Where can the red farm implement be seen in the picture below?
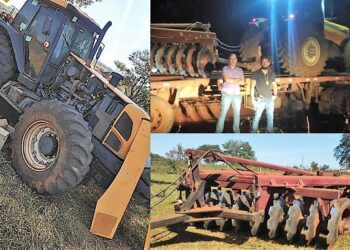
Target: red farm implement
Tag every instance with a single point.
(265, 197)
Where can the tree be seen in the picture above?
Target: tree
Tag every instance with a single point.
(207, 147)
(136, 83)
(342, 151)
(83, 3)
(314, 166)
(325, 167)
(177, 154)
(239, 148)
(156, 157)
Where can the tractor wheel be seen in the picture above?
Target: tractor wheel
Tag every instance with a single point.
(51, 148)
(7, 59)
(307, 54)
(162, 115)
(250, 46)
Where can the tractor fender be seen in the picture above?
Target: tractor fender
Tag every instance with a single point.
(17, 42)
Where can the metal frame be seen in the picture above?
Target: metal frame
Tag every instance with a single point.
(325, 190)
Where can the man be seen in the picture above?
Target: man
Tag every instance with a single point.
(231, 94)
(263, 92)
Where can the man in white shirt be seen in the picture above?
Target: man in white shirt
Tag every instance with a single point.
(231, 94)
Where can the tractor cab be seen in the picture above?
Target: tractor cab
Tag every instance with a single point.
(51, 31)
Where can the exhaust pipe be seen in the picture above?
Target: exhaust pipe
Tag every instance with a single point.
(99, 40)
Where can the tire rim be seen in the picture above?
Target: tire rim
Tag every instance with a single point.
(310, 51)
(156, 118)
(345, 222)
(40, 146)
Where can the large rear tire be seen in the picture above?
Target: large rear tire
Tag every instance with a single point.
(51, 148)
(306, 55)
(7, 59)
(250, 46)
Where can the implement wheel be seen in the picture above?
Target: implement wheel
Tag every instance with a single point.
(51, 148)
(7, 59)
(339, 221)
(162, 115)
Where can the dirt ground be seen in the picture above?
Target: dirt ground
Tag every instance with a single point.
(199, 238)
(32, 221)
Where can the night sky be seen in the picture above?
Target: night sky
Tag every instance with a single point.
(230, 18)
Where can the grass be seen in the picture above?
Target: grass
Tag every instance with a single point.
(32, 221)
(199, 238)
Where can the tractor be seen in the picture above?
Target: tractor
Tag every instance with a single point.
(64, 111)
(298, 37)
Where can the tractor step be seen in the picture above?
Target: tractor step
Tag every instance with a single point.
(5, 131)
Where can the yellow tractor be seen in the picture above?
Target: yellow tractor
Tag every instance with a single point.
(65, 112)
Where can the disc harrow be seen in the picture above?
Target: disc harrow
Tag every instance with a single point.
(182, 52)
(286, 202)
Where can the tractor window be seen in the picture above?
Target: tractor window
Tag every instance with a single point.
(25, 15)
(74, 39)
(35, 39)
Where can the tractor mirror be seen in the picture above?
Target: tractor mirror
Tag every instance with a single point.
(99, 51)
(47, 26)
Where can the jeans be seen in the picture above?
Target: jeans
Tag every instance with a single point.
(260, 106)
(227, 100)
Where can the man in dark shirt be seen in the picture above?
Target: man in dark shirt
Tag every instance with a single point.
(263, 92)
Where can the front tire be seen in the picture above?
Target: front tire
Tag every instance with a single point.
(51, 148)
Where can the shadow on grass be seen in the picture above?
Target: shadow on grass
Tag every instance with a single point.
(231, 236)
(161, 182)
(192, 237)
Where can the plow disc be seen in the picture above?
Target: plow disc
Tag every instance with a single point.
(276, 217)
(312, 222)
(182, 59)
(294, 217)
(182, 52)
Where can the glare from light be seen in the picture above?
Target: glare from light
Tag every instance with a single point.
(291, 35)
(273, 36)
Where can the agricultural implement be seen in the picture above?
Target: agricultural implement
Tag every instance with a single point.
(264, 197)
(312, 63)
(65, 112)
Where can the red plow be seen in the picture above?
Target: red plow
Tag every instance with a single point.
(281, 201)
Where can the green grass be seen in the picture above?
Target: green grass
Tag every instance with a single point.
(32, 221)
(158, 183)
(199, 238)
